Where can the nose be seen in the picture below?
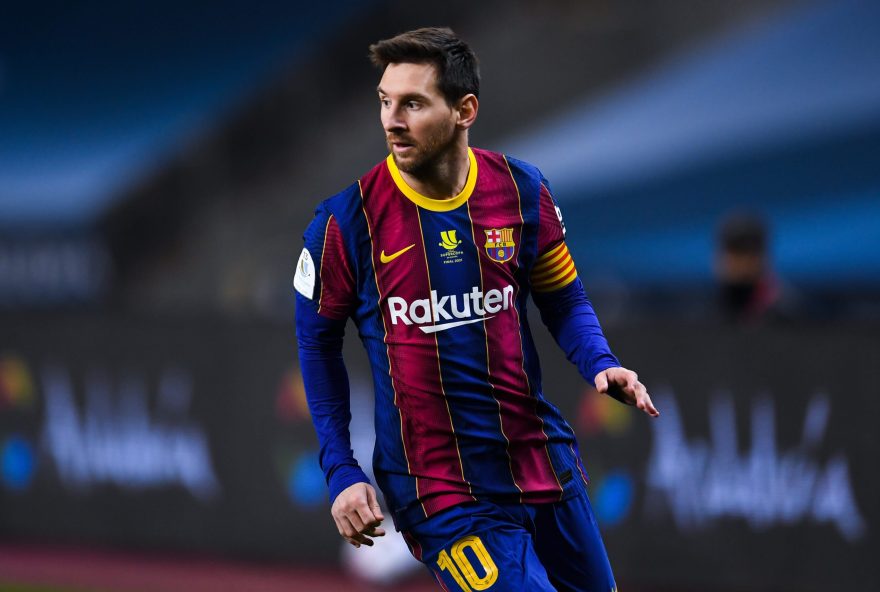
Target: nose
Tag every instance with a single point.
(393, 120)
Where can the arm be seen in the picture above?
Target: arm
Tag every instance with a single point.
(568, 314)
(355, 506)
(572, 322)
(325, 287)
(570, 317)
(327, 392)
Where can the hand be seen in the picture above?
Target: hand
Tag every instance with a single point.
(624, 385)
(358, 515)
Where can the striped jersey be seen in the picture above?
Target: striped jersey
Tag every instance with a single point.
(438, 291)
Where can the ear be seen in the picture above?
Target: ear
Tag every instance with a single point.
(467, 109)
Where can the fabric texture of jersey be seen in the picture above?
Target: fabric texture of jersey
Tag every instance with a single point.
(512, 547)
(438, 291)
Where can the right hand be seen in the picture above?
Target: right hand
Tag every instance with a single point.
(358, 515)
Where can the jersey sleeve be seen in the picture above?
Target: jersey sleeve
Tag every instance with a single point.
(560, 296)
(324, 275)
(325, 288)
(554, 268)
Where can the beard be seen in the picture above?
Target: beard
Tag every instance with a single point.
(424, 156)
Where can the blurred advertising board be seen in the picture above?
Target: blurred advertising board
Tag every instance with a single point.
(760, 473)
(43, 272)
(193, 435)
(181, 434)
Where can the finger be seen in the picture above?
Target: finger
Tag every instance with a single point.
(362, 539)
(376, 531)
(348, 527)
(649, 406)
(365, 517)
(374, 504)
(601, 382)
(644, 400)
(639, 392)
(356, 541)
(354, 518)
(624, 392)
(343, 525)
(637, 388)
(364, 510)
(632, 383)
(351, 535)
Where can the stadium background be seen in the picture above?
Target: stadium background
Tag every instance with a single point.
(159, 162)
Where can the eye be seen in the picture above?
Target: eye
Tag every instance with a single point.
(413, 105)
(385, 102)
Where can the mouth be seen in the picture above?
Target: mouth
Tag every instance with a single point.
(399, 146)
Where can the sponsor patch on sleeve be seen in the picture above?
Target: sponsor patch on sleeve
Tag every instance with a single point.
(304, 279)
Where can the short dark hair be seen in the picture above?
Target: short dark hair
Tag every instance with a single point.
(458, 71)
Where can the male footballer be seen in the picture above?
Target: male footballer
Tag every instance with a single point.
(434, 253)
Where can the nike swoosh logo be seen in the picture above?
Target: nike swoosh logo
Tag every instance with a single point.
(387, 258)
(436, 328)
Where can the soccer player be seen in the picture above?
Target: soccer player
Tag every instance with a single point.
(433, 253)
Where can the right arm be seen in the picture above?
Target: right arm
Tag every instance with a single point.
(325, 292)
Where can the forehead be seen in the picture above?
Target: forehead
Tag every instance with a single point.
(406, 78)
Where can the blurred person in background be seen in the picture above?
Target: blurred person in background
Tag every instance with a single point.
(433, 254)
(749, 289)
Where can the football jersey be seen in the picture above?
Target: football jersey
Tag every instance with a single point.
(438, 291)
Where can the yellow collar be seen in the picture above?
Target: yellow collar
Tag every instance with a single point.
(436, 205)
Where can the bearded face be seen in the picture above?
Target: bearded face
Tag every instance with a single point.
(419, 124)
(414, 154)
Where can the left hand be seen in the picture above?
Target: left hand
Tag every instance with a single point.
(624, 385)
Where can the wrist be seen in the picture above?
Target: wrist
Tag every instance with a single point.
(344, 477)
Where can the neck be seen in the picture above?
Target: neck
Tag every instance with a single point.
(446, 176)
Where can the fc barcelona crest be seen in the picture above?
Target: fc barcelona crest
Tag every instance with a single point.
(499, 244)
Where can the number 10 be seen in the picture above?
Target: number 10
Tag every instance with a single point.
(462, 571)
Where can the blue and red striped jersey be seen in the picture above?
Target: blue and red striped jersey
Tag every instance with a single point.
(438, 290)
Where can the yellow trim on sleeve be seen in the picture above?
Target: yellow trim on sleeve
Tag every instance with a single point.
(554, 270)
(435, 205)
(543, 274)
(550, 254)
(559, 272)
(561, 281)
(544, 265)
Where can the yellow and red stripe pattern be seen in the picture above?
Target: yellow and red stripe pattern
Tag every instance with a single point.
(553, 270)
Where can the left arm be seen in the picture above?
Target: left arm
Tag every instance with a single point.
(570, 317)
(568, 314)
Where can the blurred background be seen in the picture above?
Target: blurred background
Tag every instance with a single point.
(718, 167)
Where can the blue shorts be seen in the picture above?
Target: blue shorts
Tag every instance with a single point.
(515, 547)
